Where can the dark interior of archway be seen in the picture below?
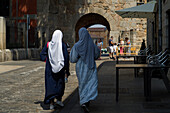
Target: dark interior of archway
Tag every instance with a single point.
(90, 19)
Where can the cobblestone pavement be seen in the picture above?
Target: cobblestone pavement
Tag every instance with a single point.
(22, 86)
(22, 90)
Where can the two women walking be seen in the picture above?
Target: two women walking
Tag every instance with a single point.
(83, 53)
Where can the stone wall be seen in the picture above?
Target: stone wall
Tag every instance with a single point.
(68, 15)
(42, 24)
(19, 54)
(13, 54)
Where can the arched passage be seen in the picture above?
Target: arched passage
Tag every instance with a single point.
(91, 19)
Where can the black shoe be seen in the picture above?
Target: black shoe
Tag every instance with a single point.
(84, 107)
(87, 104)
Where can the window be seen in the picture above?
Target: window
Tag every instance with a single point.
(4, 8)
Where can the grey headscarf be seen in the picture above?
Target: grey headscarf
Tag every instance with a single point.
(85, 48)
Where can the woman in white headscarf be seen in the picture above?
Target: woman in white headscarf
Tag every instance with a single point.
(84, 53)
(57, 61)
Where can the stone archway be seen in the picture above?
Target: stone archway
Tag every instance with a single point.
(70, 15)
(90, 19)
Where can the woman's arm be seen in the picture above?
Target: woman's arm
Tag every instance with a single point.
(97, 52)
(66, 59)
(73, 55)
(44, 53)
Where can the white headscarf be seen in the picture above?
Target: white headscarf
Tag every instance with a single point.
(55, 51)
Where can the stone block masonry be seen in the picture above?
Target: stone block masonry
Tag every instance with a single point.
(69, 16)
(19, 54)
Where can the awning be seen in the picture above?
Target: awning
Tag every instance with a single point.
(142, 11)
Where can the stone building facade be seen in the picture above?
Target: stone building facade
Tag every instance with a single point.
(159, 27)
(13, 32)
(70, 15)
(15, 13)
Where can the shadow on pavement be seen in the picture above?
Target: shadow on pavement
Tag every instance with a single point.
(72, 102)
(44, 106)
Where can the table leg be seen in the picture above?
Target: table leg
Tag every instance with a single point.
(135, 69)
(145, 82)
(117, 84)
(134, 60)
(117, 58)
(149, 86)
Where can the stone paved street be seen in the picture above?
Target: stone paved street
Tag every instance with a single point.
(22, 86)
(22, 90)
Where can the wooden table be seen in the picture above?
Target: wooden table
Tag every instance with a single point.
(147, 76)
(136, 57)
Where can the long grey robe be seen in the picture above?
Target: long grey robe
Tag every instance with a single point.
(88, 82)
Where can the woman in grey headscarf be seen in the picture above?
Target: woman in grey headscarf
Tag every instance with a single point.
(84, 53)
